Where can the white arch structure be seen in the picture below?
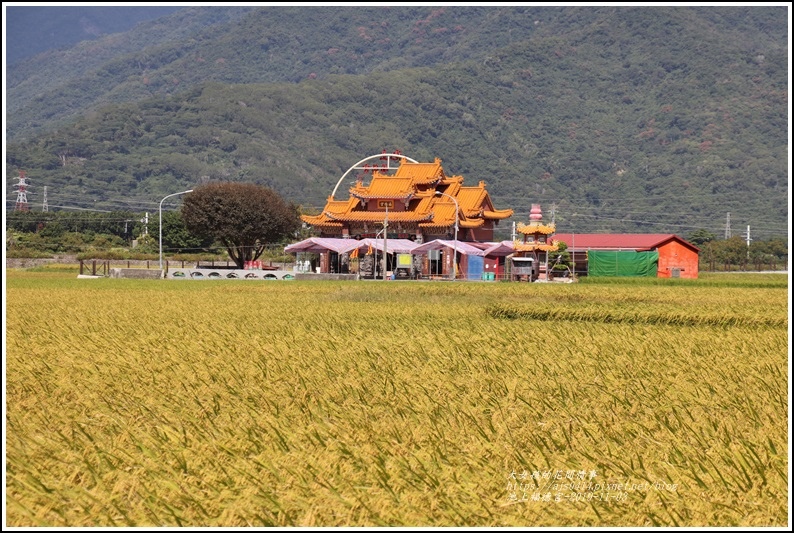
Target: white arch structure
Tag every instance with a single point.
(358, 166)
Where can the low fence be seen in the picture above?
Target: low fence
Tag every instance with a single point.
(89, 268)
(103, 267)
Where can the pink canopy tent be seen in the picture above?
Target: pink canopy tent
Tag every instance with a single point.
(394, 246)
(462, 247)
(321, 245)
(500, 249)
(342, 246)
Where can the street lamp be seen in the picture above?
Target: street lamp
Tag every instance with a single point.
(386, 243)
(455, 245)
(375, 263)
(161, 222)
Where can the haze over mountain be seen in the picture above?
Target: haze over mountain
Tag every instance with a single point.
(654, 119)
(33, 29)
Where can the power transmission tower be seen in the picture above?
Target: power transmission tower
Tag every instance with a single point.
(22, 196)
(44, 206)
(728, 226)
(747, 236)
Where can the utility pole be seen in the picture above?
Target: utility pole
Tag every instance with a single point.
(573, 255)
(728, 227)
(573, 249)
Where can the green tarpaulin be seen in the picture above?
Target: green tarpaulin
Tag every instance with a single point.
(611, 264)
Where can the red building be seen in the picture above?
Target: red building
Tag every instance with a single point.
(677, 257)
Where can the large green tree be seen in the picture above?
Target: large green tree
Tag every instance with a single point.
(701, 236)
(178, 238)
(244, 217)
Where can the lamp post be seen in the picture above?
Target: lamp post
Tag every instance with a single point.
(161, 222)
(455, 245)
(573, 251)
(386, 243)
(375, 257)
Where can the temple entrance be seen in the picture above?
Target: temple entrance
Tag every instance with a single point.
(338, 263)
(435, 259)
(375, 260)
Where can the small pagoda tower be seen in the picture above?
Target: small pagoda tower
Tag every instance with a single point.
(537, 242)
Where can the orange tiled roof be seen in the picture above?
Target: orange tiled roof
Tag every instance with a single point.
(471, 199)
(475, 201)
(321, 221)
(497, 214)
(332, 207)
(416, 184)
(421, 173)
(444, 210)
(532, 246)
(471, 223)
(379, 216)
(532, 228)
(383, 186)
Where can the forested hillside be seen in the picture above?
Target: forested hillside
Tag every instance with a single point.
(628, 119)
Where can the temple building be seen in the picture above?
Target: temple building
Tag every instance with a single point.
(418, 202)
(531, 258)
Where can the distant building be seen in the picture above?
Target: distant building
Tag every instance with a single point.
(677, 258)
(419, 202)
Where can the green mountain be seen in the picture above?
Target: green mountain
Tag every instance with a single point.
(626, 119)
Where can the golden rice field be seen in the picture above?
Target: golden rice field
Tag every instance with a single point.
(286, 403)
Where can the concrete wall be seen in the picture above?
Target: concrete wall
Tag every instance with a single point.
(136, 273)
(24, 262)
(223, 273)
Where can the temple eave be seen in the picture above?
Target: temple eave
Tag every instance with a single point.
(365, 196)
(497, 214)
(532, 247)
(378, 216)
(471, 223)
(532, 229)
